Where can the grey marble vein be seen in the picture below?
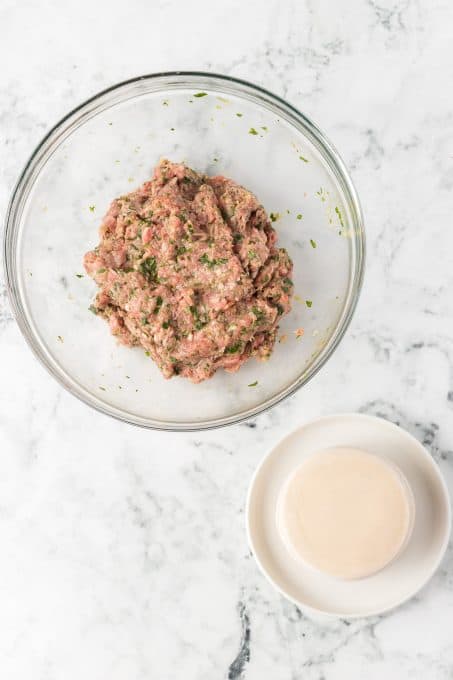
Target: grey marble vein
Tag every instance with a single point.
(238, 666)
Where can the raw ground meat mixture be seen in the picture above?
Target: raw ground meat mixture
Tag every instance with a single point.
(188, 269)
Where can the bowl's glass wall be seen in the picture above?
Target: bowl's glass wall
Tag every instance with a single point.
(110, 146)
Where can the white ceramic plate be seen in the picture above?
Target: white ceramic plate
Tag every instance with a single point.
(398, 581)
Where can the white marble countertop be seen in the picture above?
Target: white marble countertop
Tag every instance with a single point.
(123, 552)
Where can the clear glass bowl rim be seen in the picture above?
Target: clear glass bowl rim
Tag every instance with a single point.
(108, 97)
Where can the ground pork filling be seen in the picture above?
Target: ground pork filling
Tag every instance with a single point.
(188, 269)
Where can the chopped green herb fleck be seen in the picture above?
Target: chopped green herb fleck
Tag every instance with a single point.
(149, 268)
(299, 216)
(305, 160)
(263, 127)
(237, 237)
(259, 315)
(274, 216)
(204, 259)
(147, 353)
(93, 309)
(308, 303)
(180, 250)
(198, 322)
(312, 243)
(79, 276)
(91, 208)
(101, 271)
(201, 94)
(252, 255)
(128, 377)
(60, 338)
(165, 325)
(340, 216)
(165, 102)
(287, 285)
(253, 384)
(252, 131)
(239, 115)
(172, 129)
(233, 349)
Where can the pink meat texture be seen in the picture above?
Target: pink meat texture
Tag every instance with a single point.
(188, 269)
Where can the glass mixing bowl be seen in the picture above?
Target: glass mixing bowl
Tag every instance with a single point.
(108, 146)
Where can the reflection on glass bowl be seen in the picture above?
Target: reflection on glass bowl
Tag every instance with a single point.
(107, 147)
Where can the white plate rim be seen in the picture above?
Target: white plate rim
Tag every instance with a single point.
(445, 493)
